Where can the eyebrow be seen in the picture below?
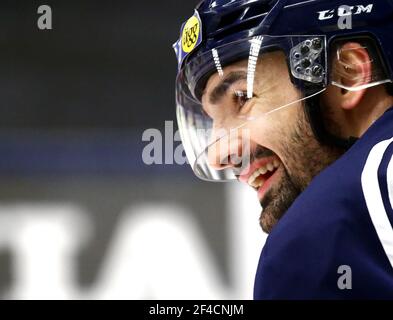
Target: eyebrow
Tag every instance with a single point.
(221, 89)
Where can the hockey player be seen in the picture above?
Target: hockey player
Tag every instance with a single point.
(295, 99)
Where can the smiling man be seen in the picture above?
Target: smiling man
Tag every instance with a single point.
(300, 110)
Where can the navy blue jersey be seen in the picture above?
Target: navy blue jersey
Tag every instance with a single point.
(344, 218)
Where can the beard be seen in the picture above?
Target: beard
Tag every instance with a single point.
(305, 157)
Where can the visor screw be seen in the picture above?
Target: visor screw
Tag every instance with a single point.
(317, 44)
(317, 71)
(304, 50)
(305, 63)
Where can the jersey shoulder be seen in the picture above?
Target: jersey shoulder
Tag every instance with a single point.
(344, 217)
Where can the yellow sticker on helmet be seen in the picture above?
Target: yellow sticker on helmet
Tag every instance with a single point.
(191, 34)
(190, 38)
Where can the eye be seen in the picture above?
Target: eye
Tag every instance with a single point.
(240, 99)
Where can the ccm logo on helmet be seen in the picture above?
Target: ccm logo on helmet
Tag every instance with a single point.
(343, 11)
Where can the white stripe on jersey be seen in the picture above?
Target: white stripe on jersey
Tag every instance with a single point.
(389, 177)
(373, 197)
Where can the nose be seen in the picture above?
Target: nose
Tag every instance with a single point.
(227, 149)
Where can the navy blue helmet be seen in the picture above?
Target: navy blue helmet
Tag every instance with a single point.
(222, 33)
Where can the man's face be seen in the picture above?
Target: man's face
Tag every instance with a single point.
(284, 155)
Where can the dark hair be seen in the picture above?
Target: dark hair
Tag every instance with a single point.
(389, 88)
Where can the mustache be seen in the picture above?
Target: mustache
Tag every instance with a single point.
(260, 153)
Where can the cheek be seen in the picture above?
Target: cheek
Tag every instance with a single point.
(274, 131)
(265, 133)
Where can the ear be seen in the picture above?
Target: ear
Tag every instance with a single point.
(352, 70)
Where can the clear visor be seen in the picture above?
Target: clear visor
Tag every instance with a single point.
(237, 97)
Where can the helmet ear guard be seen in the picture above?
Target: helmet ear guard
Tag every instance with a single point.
(343, 74)
(378, 75)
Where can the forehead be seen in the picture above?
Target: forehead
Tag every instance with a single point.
(271, 66)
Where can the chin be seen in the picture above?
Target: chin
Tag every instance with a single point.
(267, 222)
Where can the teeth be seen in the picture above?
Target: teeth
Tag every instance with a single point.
(256, 180)
(260, 183)
(262, 170)
(252, 178)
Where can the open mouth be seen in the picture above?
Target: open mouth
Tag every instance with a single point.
(261, 173)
